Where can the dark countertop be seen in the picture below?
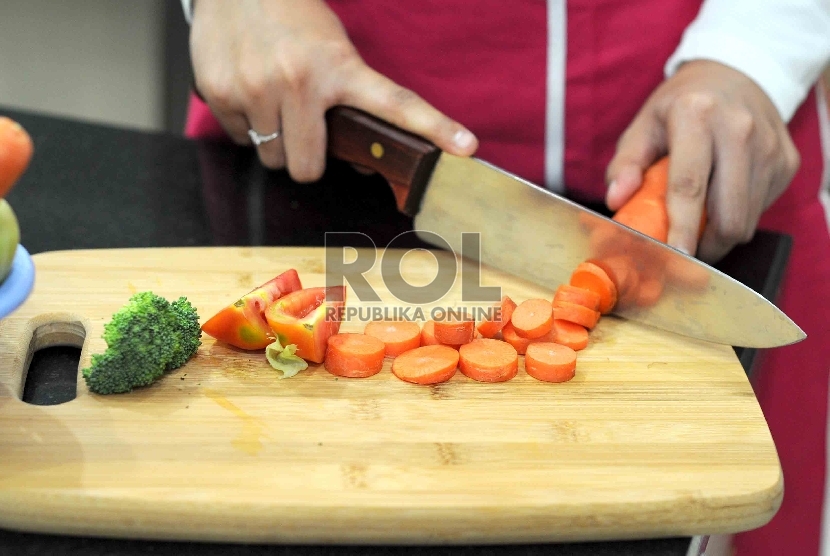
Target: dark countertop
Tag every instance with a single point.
(93, 186)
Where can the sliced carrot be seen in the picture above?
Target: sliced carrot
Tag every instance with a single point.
(489, 328)
(488, 360)
(428, 336)
(533, 318)
(508, 334)
(454, 333)
(578, 314)
(550, 362)
(354, 355)
(16, 149)
(570, 334)
(591, 277)
(398, 336)
(621, 269)
(572, 294)
(426, 364)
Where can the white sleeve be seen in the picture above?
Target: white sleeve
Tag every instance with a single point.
(783, 45)
(187, 6)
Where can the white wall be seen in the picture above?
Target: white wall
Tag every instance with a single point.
(98, 60)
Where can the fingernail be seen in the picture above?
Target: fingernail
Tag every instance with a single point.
(463, 139)
(611, 188)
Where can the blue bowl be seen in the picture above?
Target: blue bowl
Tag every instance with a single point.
(18, 284)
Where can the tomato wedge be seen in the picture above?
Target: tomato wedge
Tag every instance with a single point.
(242, 324)
(308, 318)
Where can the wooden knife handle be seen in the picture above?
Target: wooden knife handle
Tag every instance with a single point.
(404, 159)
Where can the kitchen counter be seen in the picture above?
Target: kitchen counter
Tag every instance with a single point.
(93, 186)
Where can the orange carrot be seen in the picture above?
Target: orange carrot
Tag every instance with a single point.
(508, 334)
(354, 355)
(489, 328)
(621, 269)
(426, 364)
(398, 336)
(428, 336)
(488, 360)
(450, 332)
(16, 148)
(591, 277)
(532, 318)
(570, 334)
(571, 294)
(646, 210)
(578, 314)
(550, 362)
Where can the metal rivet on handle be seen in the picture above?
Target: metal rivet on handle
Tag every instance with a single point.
(377, 150)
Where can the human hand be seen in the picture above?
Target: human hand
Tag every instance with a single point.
(730, 152)
(278, 65)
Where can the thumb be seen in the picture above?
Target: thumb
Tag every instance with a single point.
(642, 143)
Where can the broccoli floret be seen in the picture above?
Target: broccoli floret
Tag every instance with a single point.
(145, 338)
(188, 331)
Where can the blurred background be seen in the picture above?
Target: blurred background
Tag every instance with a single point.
(104, 61)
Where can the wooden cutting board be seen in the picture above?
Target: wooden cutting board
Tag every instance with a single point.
(656, 435)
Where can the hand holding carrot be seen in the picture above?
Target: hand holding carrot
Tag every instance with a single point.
(731, 154)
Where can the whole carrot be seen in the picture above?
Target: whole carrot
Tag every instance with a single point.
(646, 210)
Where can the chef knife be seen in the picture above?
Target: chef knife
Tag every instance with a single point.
(540, 236)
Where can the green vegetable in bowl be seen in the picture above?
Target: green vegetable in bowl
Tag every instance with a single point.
(9, 238)
(145, 338)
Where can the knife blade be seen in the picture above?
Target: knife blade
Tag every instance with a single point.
(540, 236)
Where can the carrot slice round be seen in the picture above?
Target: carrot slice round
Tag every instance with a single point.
(578, 314)
(580, 296)
(426, 364)
(550, 362)
(428, 336)
(354, 355)
(508, 334)
(489, 328)
(570, 334)
(398, 336)
(454, 333)
(591, 277)
(533, 318)
(621, 269)
(488, 360)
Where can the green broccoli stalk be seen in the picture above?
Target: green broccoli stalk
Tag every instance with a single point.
(145, 338)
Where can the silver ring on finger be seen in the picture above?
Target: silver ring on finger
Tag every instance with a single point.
(260, 139)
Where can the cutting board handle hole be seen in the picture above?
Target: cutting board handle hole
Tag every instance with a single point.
(53, 363)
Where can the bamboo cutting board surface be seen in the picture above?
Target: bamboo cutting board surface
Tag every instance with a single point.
(657, 435)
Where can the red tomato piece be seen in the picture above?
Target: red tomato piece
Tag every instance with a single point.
(308, 318)
(242, 324)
